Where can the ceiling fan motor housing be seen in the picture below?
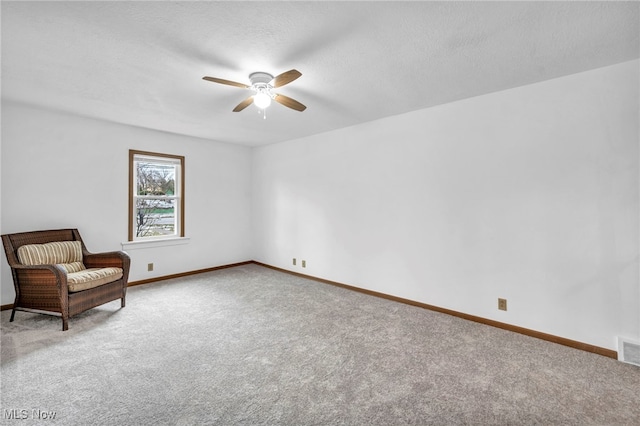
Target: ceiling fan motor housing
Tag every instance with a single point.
(260, 78)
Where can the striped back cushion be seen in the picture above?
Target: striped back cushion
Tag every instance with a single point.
(50, 253)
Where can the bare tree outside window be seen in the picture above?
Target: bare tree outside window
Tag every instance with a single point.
(155, 216)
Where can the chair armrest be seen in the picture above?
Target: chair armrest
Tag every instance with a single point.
(117, 259)
(40, 275)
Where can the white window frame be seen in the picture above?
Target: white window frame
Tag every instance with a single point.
(161, 159)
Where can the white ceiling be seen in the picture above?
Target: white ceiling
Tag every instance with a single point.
(142, 63)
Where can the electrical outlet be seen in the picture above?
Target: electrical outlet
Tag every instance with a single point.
(150, 267)
(294, 261)
(502, 304)
(304, 263)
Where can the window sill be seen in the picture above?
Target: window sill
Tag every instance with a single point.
(163, 242)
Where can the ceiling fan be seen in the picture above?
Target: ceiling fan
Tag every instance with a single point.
(262, 84)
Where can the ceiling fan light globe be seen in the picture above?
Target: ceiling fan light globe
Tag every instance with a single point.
(262, 100)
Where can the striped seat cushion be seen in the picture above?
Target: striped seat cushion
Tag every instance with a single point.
(50, 253)
(73, 267)
(92, 277)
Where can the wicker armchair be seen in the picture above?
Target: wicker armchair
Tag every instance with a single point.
(60, 288)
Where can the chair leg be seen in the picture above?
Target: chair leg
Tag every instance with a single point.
(15, 305)
(122, 302)
(65, 324)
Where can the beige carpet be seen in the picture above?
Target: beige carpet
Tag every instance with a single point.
(252, 346)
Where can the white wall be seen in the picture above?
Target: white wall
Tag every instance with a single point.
(63, 171)
(529, 194)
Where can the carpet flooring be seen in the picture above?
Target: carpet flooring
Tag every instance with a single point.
(252, 346)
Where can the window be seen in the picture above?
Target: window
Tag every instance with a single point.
(156, 195)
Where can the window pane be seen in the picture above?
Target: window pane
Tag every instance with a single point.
(155, 217)
(155, 179)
